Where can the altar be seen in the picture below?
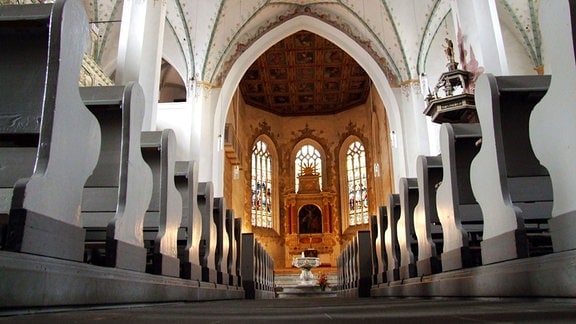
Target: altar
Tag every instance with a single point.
(310, 221)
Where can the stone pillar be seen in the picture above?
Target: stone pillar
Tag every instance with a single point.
(414, 123)
(140, 51)
(210, 144)
(478, 20)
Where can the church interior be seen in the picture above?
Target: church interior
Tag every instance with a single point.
(227, 150)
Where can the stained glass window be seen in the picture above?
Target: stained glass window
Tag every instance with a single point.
(356, 181)
(308, 156)
(261, 184)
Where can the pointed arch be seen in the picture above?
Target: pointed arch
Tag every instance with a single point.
(340, 39)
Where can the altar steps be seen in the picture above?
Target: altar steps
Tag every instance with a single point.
(288, 286)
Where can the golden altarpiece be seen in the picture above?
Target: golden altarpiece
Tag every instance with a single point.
(311, 219)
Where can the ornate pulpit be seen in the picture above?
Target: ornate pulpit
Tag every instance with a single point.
(452, 107)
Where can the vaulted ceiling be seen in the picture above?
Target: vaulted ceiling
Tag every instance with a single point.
(403, 36)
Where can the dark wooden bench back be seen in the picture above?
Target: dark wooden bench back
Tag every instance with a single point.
(209, 232)
(186, 180)
(117, 194)
(164, 215)
(406, 233)
(458, 211)
(391, 238)
(426, 222)
(49, 141)
(222, 243)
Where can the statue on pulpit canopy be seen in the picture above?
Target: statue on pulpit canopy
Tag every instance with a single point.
(449, 50)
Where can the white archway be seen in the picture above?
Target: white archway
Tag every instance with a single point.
(337, 37)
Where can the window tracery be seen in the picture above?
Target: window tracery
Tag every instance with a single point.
(261, 184)
(357, 184)
(306, 158)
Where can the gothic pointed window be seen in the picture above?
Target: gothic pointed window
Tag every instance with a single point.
(357, 184)
(261, 184)
(308, 158)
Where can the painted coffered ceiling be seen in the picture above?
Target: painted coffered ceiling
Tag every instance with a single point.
(399, 34)
(305, 74)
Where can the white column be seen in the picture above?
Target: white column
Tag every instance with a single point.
(415, 135)
(140, 51)
(207, 146)
(481, 32)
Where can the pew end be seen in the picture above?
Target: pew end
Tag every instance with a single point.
(520, 187)
(49, 141)
(458, 211)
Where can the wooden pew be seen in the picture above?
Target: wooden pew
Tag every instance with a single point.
(458, 211)
(268, 273)
(164, 215)
(340, 271)
(208, 240)
(257, 269)
(353, 264)
(238, 251)
(222, 241)
(511, 186)
(231, 261)
(426, 223)
(339, 267)
(364, 263)
(551, 124)
(391, 238)
(49, 141)
(117, 194)
(380, 246)
(355, 267)
(406, 234)
(186, 181)
(373, 243)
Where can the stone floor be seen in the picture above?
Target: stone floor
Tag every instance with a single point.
(316, 310)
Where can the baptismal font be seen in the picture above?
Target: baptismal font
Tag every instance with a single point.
(306, 263)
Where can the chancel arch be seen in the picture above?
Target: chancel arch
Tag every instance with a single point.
(246, 59)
